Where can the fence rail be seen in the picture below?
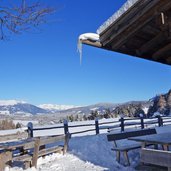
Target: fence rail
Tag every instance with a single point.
(121, 124)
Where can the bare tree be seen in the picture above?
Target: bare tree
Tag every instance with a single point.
(16, 18)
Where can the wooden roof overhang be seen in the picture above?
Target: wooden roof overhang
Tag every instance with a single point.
(143, 31)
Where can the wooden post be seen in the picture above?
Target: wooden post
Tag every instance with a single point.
(122, 124)
(97, 125)
(67, 137)
(30, 129)
(142, 122)
(66, 131)
(159, 120)
(36, 152)
(5, 157)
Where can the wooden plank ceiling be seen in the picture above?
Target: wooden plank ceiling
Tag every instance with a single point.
(143, 31)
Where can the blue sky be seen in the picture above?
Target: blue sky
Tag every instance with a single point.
(44, 67)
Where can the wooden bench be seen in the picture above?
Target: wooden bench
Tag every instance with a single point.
(28, 151)
(156, 157)
(118, 147)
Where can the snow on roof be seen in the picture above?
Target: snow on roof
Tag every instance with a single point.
(116, 15)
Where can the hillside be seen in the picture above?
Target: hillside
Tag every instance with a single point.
(161, 104)
(13, 107)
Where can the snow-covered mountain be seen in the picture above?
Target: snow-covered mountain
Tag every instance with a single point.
(57, 107)
(8, 107)
(54, 112)
(19, 107)
(100, 107)
(10, 102)
(113, 107)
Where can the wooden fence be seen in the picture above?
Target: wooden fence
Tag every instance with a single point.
(121, 124)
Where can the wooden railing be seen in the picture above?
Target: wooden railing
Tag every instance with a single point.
(122, 124)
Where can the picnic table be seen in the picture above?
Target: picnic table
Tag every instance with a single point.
(28, 150)
(163, 139)
(153, 156)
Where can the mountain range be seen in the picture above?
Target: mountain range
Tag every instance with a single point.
(160, 103)
(12, 107)
(19, 107)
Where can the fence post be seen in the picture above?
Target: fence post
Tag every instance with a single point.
(142, 122)
(122, 124)
(66, 127)
(30, 129)
(97, 125)
(160, 121)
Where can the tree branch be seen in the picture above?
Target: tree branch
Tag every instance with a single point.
(16, 19)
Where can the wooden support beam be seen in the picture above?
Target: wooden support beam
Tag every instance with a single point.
(152, 43)
(126, 158)
(169, 22)
(124, 22)
(133, 26)
(130, 27)
(120, 32)
(36, 152)
(4, 158)
(151, 29)
(168, 60)
(67, 137)
(162, 52)
(91, 43)
(16, 136)
(49, 140)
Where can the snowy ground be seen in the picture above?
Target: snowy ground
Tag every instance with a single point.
(88, 153)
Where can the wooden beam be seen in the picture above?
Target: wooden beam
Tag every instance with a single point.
(67, 137)
(151, 29)
(49, 140)
(122, 23)
(128, 28)
(91, 43)
(36, 152)
(156, 157)
(169, 22)
(50, 150)
(4, 158)
(168, 60)
(143, 14)
(152, 43)
(15, 136)
(162, 52)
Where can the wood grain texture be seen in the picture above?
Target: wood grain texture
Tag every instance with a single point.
(156, 157)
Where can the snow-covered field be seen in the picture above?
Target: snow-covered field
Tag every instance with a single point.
(88, 153)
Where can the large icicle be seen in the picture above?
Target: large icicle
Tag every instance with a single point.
(92, 37)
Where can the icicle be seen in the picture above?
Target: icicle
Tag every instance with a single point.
(87, 36)
(79, 49)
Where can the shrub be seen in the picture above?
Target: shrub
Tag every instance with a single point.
(7, 124)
